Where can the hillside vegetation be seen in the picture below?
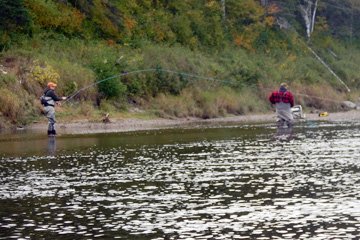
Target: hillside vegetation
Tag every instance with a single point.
(203, 58)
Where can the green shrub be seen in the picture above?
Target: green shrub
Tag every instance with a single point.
(112, 88)
(107, 62)
(110, 85)
(10, 105)
(6, 80)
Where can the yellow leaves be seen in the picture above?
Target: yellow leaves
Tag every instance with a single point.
(44, 73)
(272, 9)
(110, 42)
(253, 10)
(211, 4)
(72, 19)
(193, 41)
(288, 64)
(129, 23)
(108, 27)
(292, 58)
(238, 39)
(248, 37)
(321, 25)
(49, 14)
(159, 35)
(243, 41)
(255, 22)
(101, 18)
(4, 38)
(269, 21)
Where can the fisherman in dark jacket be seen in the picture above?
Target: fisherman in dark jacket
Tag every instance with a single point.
(49, 101)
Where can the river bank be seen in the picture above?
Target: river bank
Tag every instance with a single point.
(134, 124)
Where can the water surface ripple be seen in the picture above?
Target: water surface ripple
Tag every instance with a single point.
(244, 186)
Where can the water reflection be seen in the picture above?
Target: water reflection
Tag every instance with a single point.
(284, 133)
(52, 145)
(233, 183)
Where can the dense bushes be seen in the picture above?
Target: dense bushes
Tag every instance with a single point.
(53, 15)
(110, 85)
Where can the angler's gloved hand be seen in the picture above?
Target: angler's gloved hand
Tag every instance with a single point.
(64, 98)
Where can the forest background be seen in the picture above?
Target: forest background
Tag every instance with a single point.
(163, 58)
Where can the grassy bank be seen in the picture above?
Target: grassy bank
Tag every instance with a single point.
(204, 83)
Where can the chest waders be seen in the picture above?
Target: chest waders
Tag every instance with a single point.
(49, 109)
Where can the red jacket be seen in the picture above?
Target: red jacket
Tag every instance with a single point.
(285, 97)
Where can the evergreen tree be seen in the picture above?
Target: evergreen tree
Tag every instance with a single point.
(13, 16)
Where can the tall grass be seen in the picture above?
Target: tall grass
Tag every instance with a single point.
(197, 102)
(10, 105)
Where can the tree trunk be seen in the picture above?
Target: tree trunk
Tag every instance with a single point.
(223, 10)
(305, 13)
(308, 12)
(314, 16)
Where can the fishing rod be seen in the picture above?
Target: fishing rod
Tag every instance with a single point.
(142, 71)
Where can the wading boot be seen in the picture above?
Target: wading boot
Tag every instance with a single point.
(51, 133)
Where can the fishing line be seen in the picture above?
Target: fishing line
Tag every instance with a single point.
(142, 71)
(181, 74)
(324, 99)
(310, 96)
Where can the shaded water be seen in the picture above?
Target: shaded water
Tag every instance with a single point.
(236, 182)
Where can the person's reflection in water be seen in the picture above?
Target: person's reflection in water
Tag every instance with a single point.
(52, 145)
(284, 132)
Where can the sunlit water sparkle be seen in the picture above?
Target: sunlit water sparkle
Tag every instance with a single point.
(216, 185)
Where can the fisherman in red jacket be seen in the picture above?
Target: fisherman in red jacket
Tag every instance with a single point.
(284, 101)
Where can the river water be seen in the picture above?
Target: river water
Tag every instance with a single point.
(232, 182)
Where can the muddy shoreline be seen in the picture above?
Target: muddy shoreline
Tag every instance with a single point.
(132, 124)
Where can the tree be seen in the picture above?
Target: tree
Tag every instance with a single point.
(223, 10)
(13, 16)
(308, 12)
